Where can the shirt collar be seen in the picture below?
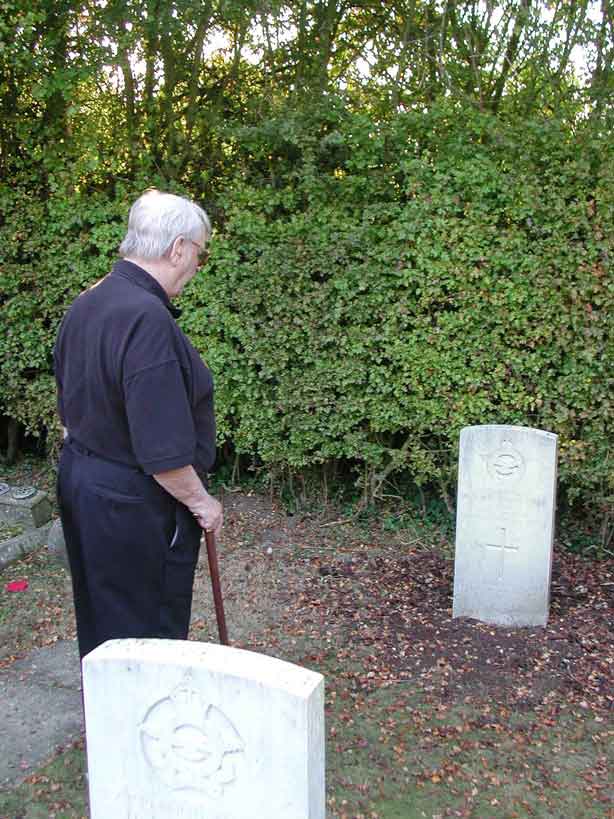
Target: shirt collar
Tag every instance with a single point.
(143, 279)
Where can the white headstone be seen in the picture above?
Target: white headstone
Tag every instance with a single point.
(187, 730)
(504, 525)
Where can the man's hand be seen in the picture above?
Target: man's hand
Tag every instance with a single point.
(209, 514)
(185, 485)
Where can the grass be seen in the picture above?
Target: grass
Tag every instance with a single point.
(10, 530)
(417, 761)
(56, 791)
(397, 758)
(396, 749)
(41, 614)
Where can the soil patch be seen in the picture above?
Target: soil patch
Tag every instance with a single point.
(426, 715)
(398, 609)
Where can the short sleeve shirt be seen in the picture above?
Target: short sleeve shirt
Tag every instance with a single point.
(131, 387)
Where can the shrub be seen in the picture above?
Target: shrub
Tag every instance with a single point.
(373, 288)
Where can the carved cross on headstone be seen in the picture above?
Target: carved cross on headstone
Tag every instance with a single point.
(502, 546)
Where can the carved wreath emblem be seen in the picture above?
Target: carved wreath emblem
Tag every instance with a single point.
(191, 745)
(505, 462)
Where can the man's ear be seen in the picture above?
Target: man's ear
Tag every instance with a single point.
(177, 250)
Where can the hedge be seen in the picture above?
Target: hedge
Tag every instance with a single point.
(373, 288)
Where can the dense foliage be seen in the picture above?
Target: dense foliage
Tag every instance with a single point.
(414, 210)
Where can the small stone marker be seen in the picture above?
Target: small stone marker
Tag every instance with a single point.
(504, 525)
(19, 546)
(30, 510)
(56, 543)
(25, 505)
(200, 731)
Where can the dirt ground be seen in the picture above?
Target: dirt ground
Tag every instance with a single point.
(426, 715)
(351, 586)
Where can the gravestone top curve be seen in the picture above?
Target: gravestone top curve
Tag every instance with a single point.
(276, 673)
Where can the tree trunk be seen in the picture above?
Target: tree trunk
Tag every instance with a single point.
(12, 449)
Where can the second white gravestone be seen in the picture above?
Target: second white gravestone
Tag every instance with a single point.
(504, 525)
(199, 731)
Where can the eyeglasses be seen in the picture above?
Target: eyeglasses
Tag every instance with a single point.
(203, 253)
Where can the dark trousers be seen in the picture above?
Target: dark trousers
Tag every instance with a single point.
(132, 550)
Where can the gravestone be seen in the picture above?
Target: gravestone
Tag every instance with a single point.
(504, 525)
(56, 543)
(200, 731)
(25, 505)
(19, 546)
(30, 511)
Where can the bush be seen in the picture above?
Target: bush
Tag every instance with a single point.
(438, 273)
(53, 248)
(373, 288)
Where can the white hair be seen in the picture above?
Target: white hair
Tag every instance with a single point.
(156, 219)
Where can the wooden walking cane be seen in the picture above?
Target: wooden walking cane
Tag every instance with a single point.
(217, 589)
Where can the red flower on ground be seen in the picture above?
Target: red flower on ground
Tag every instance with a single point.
(16, 586)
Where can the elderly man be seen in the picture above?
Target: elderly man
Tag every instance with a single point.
(136, 402)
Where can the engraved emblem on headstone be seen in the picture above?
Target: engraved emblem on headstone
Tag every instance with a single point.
(505, 463)
(497, 552)
(4, 488)
(23, 492)
(190, 744)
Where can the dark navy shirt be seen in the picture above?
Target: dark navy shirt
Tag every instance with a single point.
(131, 387)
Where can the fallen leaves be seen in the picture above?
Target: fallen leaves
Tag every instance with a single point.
(395, 612)
(37, 614)
(410, 692)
